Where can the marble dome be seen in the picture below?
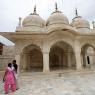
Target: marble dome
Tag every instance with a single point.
(79, 22)
(57, 18)
(33, 20)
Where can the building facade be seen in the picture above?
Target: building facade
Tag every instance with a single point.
(6, 55)
(54, 44)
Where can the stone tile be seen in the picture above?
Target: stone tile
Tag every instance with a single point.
(68, 84)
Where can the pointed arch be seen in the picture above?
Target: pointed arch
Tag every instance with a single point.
(88, 55)
(32, 58)
(61, 55)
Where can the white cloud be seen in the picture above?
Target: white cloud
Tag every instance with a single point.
(11, 10)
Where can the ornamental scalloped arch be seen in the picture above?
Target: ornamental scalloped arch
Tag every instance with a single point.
(31, 49)
(88, 44)
(85, 55)
(31, 44)
(60, 40)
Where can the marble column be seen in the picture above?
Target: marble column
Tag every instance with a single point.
(91, 62)
(25, 62)
(78, 58)
(46, 62)
(69, 59)
(28, 62)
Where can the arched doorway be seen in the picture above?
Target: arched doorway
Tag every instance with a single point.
(88, 56)
(61, 56)
(32, 59)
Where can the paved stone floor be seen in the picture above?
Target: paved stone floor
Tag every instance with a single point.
(74, 83)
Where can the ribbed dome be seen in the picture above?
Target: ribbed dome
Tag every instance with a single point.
(33, 20)
(79, 22)
(57, 18)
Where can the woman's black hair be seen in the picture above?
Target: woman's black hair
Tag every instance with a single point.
(14, 61)
(9, 65)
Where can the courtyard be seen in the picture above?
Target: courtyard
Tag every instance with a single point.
(56, 83)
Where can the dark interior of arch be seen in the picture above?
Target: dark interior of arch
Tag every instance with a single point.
(61, 56)
(88, 56)
(32, 59)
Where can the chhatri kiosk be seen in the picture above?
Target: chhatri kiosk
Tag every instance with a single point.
(54, 44)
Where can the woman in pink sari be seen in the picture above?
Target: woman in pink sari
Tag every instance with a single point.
(9, 79)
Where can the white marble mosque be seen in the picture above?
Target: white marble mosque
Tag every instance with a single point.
(53, 44)
(55, 57)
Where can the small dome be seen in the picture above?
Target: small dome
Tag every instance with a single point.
(79, 22)
(57, 18)
(33, 20)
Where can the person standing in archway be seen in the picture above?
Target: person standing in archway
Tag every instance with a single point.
(88, 60)
(15, 68)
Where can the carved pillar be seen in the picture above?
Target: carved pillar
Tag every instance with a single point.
(69, 59)
(25, 62)
(77, 50)
(46, 62)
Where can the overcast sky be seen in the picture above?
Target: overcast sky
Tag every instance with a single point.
(11, 10)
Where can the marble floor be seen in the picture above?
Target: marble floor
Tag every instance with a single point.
(68, 83)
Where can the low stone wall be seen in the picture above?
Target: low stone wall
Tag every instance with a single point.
(4, 60)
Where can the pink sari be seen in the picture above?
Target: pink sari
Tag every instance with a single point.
(9, 78)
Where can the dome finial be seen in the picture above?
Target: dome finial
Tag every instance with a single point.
(93, 22)
(76, 12)
(35, 10)
(56, 8)
(20, 21)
